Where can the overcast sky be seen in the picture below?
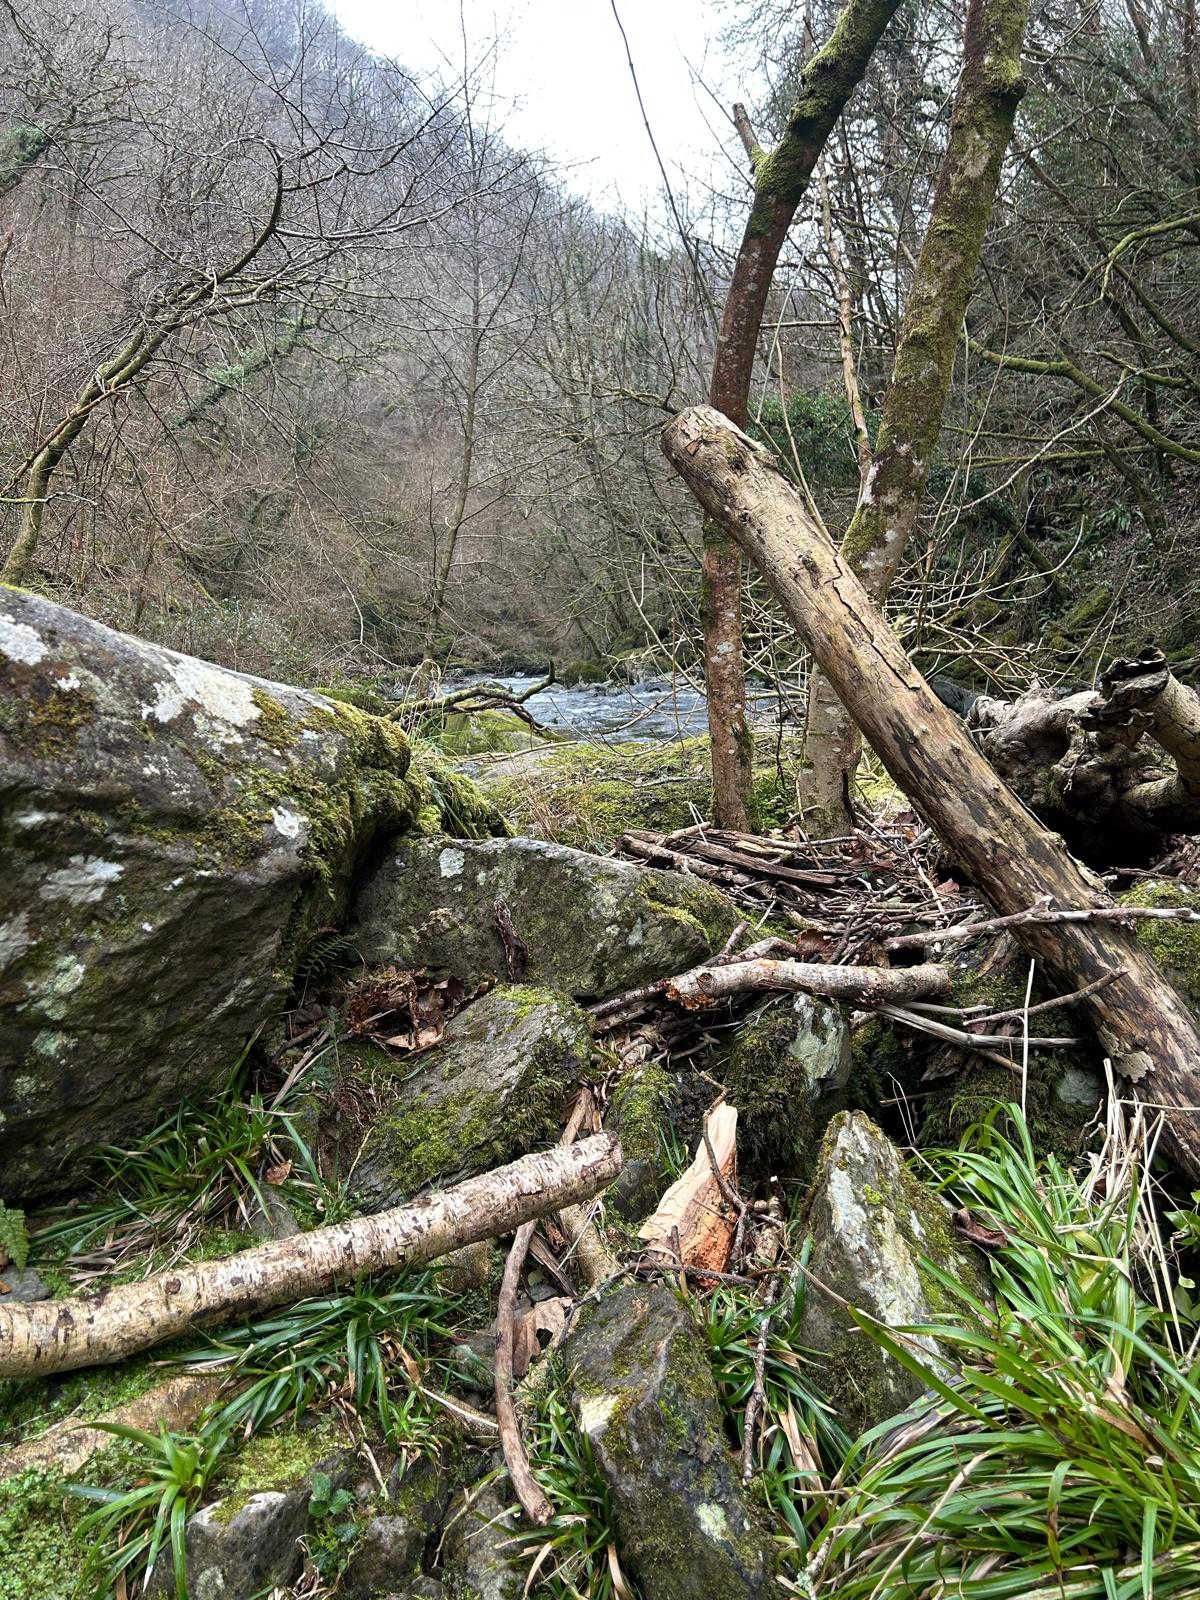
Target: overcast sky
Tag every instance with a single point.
(563, 78)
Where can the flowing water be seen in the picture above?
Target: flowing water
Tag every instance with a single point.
(652, 711)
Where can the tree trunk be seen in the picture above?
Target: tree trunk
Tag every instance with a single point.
(1142, 1022)
(90, 1330)
(781, 178)
(911, 422)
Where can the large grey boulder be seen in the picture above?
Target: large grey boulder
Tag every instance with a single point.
(492, 1090)
(644, 1394)
(387, 1554)
(171, 834)
(589, 925)
(874, 1227)
(236, 1552)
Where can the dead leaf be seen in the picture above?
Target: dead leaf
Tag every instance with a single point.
(978, 1232)
(279, 1174)
(543, 1317)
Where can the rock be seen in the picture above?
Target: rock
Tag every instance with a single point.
(388, 1552)
(272, 1217)
(483, 1534)
(24, 1286)
(1175, 945)
(589, 925)
(644, 1394)
(173, 833)
(787, 1073)
(492, 1090)
(248, 1542)
(244, 1552)
(871, 1223)
(423, 1588)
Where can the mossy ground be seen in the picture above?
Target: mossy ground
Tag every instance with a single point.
(1174, 945)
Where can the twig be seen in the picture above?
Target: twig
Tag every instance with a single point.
(1042, 914)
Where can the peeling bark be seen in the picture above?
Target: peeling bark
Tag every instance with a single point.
(1142, 1022)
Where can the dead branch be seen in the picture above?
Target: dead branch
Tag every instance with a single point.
(867, 987)
(91, 1330)
(1046, 915)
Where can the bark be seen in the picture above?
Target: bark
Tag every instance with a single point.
(1112, 768)
(91, 1330)
(858, 986)
(1141, 1021)
(910, 425)
(781, 179)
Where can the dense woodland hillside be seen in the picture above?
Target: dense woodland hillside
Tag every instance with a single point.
(599, 899)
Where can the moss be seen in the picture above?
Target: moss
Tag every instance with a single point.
(42, 1554)
(768, 1077)
(273, 726)
(483, 733)
(640, 1105)
(1174, 945)
(48, 726)
(279, 1460)
(455, 1116)
(588, 795)
(1088, 610)
(30, 1406)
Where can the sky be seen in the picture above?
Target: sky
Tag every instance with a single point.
(563, 81)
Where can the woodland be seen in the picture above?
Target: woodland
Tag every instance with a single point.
(599, 897)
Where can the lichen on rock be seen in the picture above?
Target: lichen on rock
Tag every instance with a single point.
(643, 1392)
(172, 833)
(874, 1228)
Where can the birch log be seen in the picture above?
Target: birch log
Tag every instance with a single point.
(91, 1330)
(1142, 1022)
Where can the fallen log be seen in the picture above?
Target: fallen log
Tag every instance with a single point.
(95, 1329)
(1143, 1024)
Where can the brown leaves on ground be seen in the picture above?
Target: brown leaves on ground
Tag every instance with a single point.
(404, 1011)
(968, 1226)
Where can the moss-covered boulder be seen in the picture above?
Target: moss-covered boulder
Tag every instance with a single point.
(874, 1228)
(640, 1111)
(172, 833)
(787, 1072)
(643, 1392)
(588, 925)
(491, 1091)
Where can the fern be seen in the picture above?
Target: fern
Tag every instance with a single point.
(14, 1241)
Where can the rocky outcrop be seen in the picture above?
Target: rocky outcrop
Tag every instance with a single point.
(644, 1394)
(172, 835)
(585, 924)
(873, 1227)
(492, 1090)
(787, 1073)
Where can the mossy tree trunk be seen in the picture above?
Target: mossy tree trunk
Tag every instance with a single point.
(1142, 1022)
(981, 126)
(781, 178)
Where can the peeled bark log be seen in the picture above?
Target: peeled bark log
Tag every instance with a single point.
(91, 1330)
(1142, 1022)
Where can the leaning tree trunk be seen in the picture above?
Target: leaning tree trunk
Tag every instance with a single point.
(781, 179)
(90, 1330)
(911, 421)
(1141, 1021)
